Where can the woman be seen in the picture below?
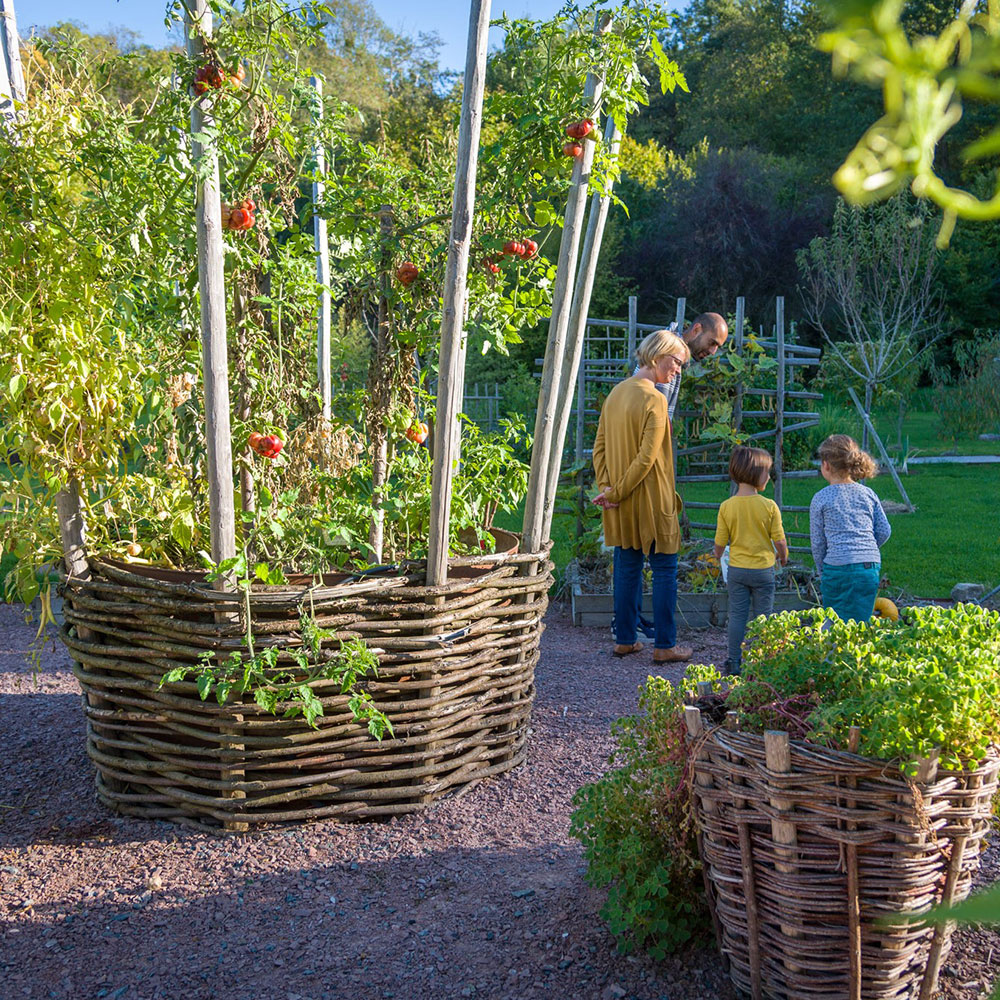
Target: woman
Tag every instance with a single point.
(633, 462)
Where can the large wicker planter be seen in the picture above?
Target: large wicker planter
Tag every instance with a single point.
(456, 679)
(807, 850)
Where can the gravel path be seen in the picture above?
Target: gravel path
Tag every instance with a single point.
(483, 896)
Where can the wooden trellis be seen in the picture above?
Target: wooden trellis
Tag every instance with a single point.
(609, 356)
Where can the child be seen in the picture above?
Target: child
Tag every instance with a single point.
(847, 528)
(749, 524)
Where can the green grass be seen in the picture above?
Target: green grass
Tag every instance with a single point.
(953, 536)
(921, 429)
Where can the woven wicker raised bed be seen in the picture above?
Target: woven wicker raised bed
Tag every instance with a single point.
(456, 679)
(807, 850)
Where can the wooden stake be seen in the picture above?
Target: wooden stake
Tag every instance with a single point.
(380, 388)
(881, 448)
(853, 887)
(633, 330)
(573, 361)
(211, 279)
(538, 503)
(323, 366)
(679, 317)
(779, 437)
(451, 366)
(779, 760)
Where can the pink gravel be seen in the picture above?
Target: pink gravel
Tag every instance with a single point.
(482, 896)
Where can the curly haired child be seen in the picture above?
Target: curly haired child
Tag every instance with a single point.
(847, 529)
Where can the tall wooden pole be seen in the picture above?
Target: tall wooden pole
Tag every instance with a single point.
(538, 503)
(576, 333)
(451, 364)
(380, 386)
(779, 416)
(633, 331)
(323, 366)
(211, 283)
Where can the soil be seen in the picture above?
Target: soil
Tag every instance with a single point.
(481, 896)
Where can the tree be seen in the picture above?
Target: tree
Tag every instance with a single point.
(869, 289)
(721, 223)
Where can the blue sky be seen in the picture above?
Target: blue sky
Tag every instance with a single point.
(145, 17)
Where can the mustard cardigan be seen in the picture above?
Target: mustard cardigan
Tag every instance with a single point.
(633, 462)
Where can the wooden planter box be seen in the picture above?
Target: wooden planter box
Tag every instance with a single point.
(693, 610)
(807, 851)
(456, 680)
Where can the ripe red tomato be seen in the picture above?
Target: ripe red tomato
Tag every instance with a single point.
(417, 433)
(254, 440)
(492, 265)
(407, 273)
(572, 149)
(579, 129)
(530, 248)
(237, 218)
(510, 247)
(213, 75)
(248, 205)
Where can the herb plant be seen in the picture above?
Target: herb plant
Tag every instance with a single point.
(927, 682)
(638, 831)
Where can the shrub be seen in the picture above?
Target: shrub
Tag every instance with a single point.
(638, 832)
(970, 404)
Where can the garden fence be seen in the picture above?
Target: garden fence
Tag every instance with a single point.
(608, 357)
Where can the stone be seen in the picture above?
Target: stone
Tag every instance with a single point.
(967, 592)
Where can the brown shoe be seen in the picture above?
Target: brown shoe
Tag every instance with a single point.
(628, 650)
(674, 654)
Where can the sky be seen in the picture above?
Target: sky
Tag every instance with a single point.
(145, 17)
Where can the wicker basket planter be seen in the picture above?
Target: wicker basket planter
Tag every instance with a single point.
(456, 679)
(807, 849)
(693, 610)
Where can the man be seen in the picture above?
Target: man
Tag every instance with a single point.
(703, 337)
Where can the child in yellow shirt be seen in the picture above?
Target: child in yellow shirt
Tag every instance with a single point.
(751, 526)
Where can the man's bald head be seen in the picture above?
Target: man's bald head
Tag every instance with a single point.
(706, 335)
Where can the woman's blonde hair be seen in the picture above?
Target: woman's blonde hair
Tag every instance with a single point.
(843, 455)
(657, 344)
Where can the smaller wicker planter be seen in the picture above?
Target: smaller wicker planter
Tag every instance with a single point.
(807, 850)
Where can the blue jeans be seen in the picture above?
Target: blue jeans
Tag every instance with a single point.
(628, 594)
(851, 590)
(746, 586)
